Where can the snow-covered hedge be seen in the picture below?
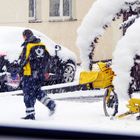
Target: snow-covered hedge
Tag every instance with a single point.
(123, 58)
(97, 19)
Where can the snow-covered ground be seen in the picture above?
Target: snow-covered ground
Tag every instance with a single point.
(80, 110)
(70, 114)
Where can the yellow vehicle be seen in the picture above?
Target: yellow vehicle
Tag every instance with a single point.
(101, 78)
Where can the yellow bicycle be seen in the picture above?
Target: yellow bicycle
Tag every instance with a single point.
(110, 102)
(101, 78)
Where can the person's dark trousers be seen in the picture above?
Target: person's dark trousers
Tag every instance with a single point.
(32, 91)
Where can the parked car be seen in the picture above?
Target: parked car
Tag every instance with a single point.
(62, 65)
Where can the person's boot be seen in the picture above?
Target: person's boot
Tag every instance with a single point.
(52, 106)
(138, 117)
(48, 103)
(29, 117)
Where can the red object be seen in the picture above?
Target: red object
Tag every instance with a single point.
(46, 76)
(3, 54)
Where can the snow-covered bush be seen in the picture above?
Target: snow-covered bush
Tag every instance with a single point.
(123, 58)
(99, 17)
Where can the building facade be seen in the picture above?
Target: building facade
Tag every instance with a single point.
(59, 20)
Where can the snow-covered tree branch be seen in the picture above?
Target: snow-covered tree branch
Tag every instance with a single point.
(99, 17)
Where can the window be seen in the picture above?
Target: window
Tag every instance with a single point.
(32, 9)
(60, 9)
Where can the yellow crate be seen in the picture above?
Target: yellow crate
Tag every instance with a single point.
(88, 77)
(99, 79)
(103, 83)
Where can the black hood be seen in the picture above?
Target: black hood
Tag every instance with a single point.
(32, 39)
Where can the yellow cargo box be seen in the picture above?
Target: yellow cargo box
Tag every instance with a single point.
(100, 78)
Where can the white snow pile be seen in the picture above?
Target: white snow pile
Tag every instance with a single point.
(101, 13)
(123, 58)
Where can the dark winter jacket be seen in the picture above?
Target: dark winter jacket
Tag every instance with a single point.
(30, 48)
(22, 56)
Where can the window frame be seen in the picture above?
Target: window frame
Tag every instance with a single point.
(33, 18)
(61, 17)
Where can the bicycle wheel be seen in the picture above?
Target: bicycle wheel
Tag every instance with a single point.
(110, 102)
